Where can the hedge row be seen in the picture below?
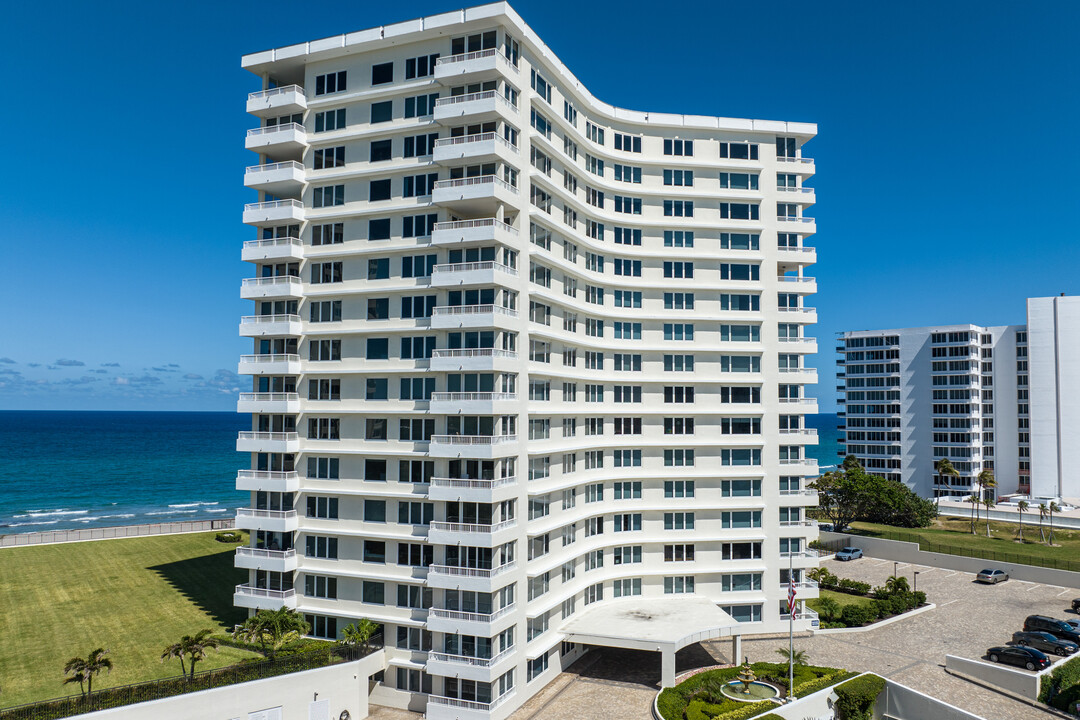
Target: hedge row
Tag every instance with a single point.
(856, 698)
(1061, 688)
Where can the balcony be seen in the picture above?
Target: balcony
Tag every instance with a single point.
(475, 107)
(468, 623)
(473, 273)
(268, 520)
(278, 364)
(278, 142)
(473, 359)
(268, 403)
(466, 667)
(287, 248)
(449, 577)
(804, 466)
(471, 403)
(263, 325)
(453, 317)
(799, 375)
(808, 436)
(274, 212)
(798, 523)
(801, 165)
(480, 195)
(480, 147)
(278, 101)
(799, 224)
(280, 178)
(268, 480)
(472, 446)
(805, 283)
(803, 195)
(482, 230)
(260, 559)
(798, 314)
(472, 66)
(271, 288)
(798, 344)
(803, 254)
(800, 493)
(446, 708)
(250, 596)
(274, 442)
(457, 489)
(452, 533)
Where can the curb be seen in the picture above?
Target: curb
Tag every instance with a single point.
(879, 623)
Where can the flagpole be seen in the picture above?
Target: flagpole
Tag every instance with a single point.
(791, 627)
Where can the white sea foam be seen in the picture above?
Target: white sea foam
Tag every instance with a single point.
(30, 524)
(50, 513)
(171, 512)
(192, 504)
(219, 510)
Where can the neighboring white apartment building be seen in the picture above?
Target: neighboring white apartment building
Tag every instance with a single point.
(526, 367)
(988, 398)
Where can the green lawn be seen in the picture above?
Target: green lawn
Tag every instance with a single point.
(132, 596)
(841, 599)
(953, 535)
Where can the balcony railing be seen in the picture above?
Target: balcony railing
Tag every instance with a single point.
(795, 218)
(478, 180)
(252, 591)
(470, 616)
(472, 528)
(476, 55)
(807, 432)
(472, 439)
(267, 475)
(805, 190)
(456, 571)
(798, 401)
(798, 523)
(270, 281)
(463, 484)
(471, 266)
(482, 95)
(795, 160)
(265, 319)
(804, 310)
(269, 436)
(478, 137)
(263, 94)
(800, 248)
(806, 584)
(269, 167)
(469, 660)
(272, 204)
(802, 491)
(474, 310)
(474, 353)
(472, 396)
(480, 222)
(275, 358)
(269, 397)
(808, 553)
(469, 704)
(273, 242)
(264, 554)
(275, 128)
(795, 278)
(265, 514)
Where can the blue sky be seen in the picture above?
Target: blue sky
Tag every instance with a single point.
(947, 164)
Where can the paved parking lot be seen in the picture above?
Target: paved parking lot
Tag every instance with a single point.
(969, 618)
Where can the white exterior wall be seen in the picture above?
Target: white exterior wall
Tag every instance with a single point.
(1054, 356)
(301, 65)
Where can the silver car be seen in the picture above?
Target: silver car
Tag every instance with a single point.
(991, 576)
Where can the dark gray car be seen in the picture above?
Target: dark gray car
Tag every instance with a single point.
(1046, 642)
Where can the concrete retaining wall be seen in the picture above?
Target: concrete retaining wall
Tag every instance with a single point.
(910, 553)
(111, 533)
(319, 694)
(1021, 682)
(899, 702)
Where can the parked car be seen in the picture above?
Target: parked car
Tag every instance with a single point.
(991, 576)
(1074, 624)
(849, 553)
(1046, 642)
(1024, 657)
(1058, 628)
(825, 527)
(1076, 605)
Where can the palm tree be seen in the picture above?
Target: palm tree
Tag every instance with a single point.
(175, 651)
(196, 646)
(974, 505)
(272, 629)
(988, 503)
(84, 670)
(1042, 515)
(1054, 508)
(944, 467)
(1021, 507)
(828, 607)
(798, 658)
(359, 633)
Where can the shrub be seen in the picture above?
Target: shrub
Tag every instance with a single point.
(856, 698)
(812, 686)
(898, 604)
(823, 577)
(920, 598)
(670, 704)
(696, 711)
(880, 608)
(853, 586)
(1061, 687)
(746, 710)
(855, 615)
(229, 537)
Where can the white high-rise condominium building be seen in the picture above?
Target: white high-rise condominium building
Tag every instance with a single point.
(528, 369)
(987, 398)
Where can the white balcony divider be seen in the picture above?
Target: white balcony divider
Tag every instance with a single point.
(478, 137)
(268, 281)
(470, 616)
(246, 435)
(265, 514)
(478, 180)
(472, 528)
(264, 554)
(267, 474)
(795, 278)
(264, 319)
(469, 660)
(455, 571)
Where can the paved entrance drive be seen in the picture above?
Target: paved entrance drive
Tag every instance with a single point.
(969, 618)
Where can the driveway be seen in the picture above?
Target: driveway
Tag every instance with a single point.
(969, 618)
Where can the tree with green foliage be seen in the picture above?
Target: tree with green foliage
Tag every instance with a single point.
(1053, 507)
(1042, 516)
(85, 669)
(989, 503)
(195, 647)
(175, 652)
(974, 501)
(359, 633)
(798, 657)
(851, 493)
(945, 469)
(828, 607)
(272, 629)
(1021, 508)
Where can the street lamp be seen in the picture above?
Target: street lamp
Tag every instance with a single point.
(894, 569)
(915, 581)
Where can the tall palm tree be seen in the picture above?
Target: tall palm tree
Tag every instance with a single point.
(195, 646)
(1021, 507)
(1054, 508)
(945, 468)
(988, 503)
(85, 669)
(359, 633)
(175, 651)
(272, 629)
(986, 481)
(1042, 516)
(974, 505)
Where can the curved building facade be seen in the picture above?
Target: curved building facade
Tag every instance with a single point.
(517, 356)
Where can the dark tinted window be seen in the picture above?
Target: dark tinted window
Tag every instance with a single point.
(382, 73)
(380, 190)
(379, 229)
(381, 150)
(382, 111)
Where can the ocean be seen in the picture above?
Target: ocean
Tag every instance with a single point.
(67, 470)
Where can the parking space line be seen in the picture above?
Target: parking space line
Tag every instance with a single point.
(949, 603)
(1032, 588)
(1063, 592)
(952, 574)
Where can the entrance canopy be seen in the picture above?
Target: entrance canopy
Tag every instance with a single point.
(659, 624)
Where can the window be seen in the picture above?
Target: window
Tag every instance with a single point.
(326, 389)
(329, 272)
(679, 331)
(787, 147)
(627, 236)
(627, 330)
(419, 67)
(628, 143)
(541, 124)
(627, 426)
(679, 521)
(323, 468)
(382, 73)
(379, 190)
(373, 592)
(631, 268)
(626, 587)
(324, 350)
(740, 582)
(626, 362)
(594, 133)
(743, 613)
(419, 145)
(541, 86)
(328, 196)
(382, 111)
(379, 229)
(678, 238)
(418, 266)
(679, 426)
(417, 185)
(420, 105)
(593, 593)
(739, 151)
(679, 553)
(377, 308)
(739, 181)
(679, 178)
(320, 586)
(333, 157)
(678, 458)
(569, 113)
(330, 83)
(321, 547)
(594, 165)
(628, 298)
(740, 271)
(419, 226)
(680, 208)
(678, 301)
(628, 490)
(324, 429)
(322, 507)
(378, 349)
(679, 585)
(678, 147)
(415, 430)
(678, 488)
(627, 205)
(678, 363)
(626, 458)
(331, 234)
(678, 269)
(330, 120)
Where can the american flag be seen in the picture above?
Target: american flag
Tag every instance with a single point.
(791, 596)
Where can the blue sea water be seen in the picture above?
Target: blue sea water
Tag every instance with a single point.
(65, 470)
